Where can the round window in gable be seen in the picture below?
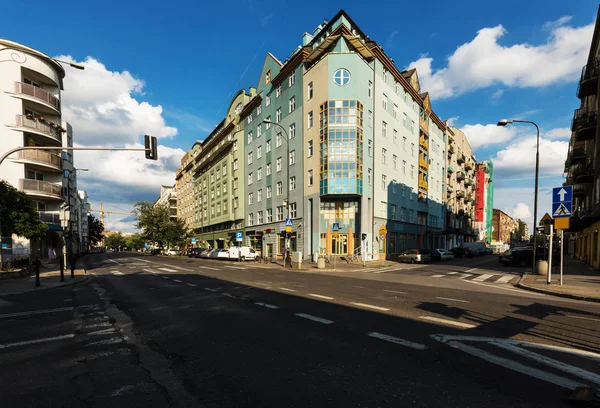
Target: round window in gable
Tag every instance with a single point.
(341, 77)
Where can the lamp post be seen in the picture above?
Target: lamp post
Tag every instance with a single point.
(286, 203)
(504, 122)
(68, 173)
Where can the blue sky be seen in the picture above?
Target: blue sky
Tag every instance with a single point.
(189, 58)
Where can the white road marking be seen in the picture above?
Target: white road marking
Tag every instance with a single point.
(452, 273)
(150, 270)
(178, 267)
(210, 290)
(36, 341)
(513, 365)
(437, 276)
(167, 270)
(397, 340)
(576, 371)
(524, 292)
(143, 260)
(384, 309)
(453, 300)
(112, 260)
(465, 275)
(581, 353)
(320, 296)
(35, 312)
(395, 291)
(266, 305)
(314, 318)
(505, 279)
(237, 267)
(360, 287)
(96, 325)
(584, 318)
(165, 277)
(209, 267)
(288, 290)
(117, 273)
(177, 280)
(113, 340)
(125, 388)
(448, 322)
(103, 332)
(471, 270)
(191, 284)
(481, 278)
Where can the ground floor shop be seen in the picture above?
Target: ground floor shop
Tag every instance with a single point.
(584, 245)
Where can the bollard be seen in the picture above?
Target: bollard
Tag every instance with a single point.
(37, 272)
(62, 268)
(73, 262)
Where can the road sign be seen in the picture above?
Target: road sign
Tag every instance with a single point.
(540, 229)
(336, 226)
(336, 234)
(288, 222)
(561, 223)
(193, 240)
(562, 198)
(562, 210)
(562, 194)
(546, 219)
(382, 237)
(238, 236)
(382, 230)
(288, 229)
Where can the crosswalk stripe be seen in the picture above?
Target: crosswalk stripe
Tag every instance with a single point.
(504, 279)
(117, 273)
(481, 278)
(437, 276)
(167, 270)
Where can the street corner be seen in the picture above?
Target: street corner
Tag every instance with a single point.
(576, 290)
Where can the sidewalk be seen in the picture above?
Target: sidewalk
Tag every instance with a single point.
(338, 265)
(579, 282)
(49, 279)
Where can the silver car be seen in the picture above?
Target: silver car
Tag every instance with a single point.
(415, 255)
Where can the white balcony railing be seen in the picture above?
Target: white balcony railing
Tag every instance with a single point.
(36, 124)
(41, 156)
(49, 217)
(37, 93)
(44, 187)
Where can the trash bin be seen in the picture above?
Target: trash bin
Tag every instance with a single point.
(296, 260)
(321, 263)
(542, 268)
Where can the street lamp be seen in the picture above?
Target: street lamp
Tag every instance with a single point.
(286, 202)
(504, 122)
(68, 173)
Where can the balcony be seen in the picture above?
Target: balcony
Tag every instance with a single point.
(41, 188)
(38, 94)
(460, 194)
(577, 155)
(450, 169)
(424, 125)
(424, 143)
(41, 157)
(423, 164)
(460, 159)
(584, 174)
(450, 148)
(588, 84)
(468, 197)
(469, 182)
(580, 189)
(460, 175)
(38, 126)
(422, 185)
(584, 124)
(49, 217)
(449, 188)
(468, 166)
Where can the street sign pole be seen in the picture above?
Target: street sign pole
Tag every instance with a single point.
(562, 252)
(550, 255)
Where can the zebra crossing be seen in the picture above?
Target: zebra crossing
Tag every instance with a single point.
(487, 277)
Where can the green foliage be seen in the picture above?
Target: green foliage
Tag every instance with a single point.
(157, 227)
(521, 231)
(18, 215)
(96, 229)
(115, 240)
(134, 242)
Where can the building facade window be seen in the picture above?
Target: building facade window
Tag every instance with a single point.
(278, 91)
(369, 176)
(259, 217)
(310, 178)
(341, 77)
(269, 191)
(309, 119)
(268, 124)
(309, 91)
(250, 178)
(279, 190)
(250, 155)
(292, 104)
(292, 131)
(279, 214)
(292, 79)
(278, 164)
(293, 210)
(278, 115)
(278, 140)
(383, 155)
(383, 182)
(259, 174)
(268, 169)
(250, 198)
(250, 219)
(259, 130)
(292, 158)
(309, 149)
(395, 161)
(269, 215)
(268, 100)
(292, 183)
(268, 147)
(259, 196)
(384, 129)
(249, 137)
(259, 152)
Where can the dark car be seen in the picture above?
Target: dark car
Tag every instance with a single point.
(195, 253)
(460, 252)
(520, 256)
(155, 252)
(189, 252)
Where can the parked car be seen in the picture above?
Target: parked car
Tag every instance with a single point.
(188, 253)
(194, 252)
(441, 255)
(415, 255)
(460, 252)
(214, 253)
(478, 247)
(222, 254)
(521, 256)
(242, 253)
(173, 252)
(155, 252)
(205, 253)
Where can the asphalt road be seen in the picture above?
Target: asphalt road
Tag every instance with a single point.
(226, 334)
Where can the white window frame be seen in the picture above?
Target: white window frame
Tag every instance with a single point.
(310, 119)
(292, 78)
(259, 174)
(292, 104)
(383, 182)
(309, 88)
(310, 178)
(309, 149)
(279, 188)
(278, 166)
(269, 191)
(278, 115)
(292, 130)
(292, 183)
(268, 147)
(259, 152)
(269, 215)
(292, 158)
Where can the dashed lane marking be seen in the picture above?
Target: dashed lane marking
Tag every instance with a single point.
(288, 290)
(117, 273)
(209, 267)
(177, 280)
(452, 273)
(471, 270)
(191, 284)
(437, 276)
(103, 332)
(113, 340)
(35, 312)
(151, 271)
(448, 322)
(383, 309)
(179, 267)
(452, 300)
(320, 296)
(314, 318)
(397, 340)
(268, 306)
(36, 341)
(210, 290)
(395, 291)
(167, 269)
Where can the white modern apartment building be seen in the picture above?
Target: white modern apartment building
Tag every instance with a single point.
(168, 197)
(30, 115)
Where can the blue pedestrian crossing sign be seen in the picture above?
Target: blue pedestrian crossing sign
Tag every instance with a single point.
(562, 202)
(193, 240)
(336, 226)
(288, 222)
(238, 236)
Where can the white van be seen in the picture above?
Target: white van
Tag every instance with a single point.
(242, 253)
(478, 247)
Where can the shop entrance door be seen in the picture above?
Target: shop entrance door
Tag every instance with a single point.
(339, 245)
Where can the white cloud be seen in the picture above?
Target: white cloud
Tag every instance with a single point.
(484, 62)
(551, 25)
(484, 135)
(558, 133)
(101, 106)
(519, 157)
(521, 211)
(452, 121)
(497, 95)
(505, 199)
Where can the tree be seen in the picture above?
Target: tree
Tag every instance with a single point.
(96, 229)
(134, 242)
(521, 231)
(115, 240)
(157, 226)
(18, 215)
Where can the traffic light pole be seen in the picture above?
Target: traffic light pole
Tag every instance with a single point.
(17, 149)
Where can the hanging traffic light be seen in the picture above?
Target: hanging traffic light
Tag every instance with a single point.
(151, 147)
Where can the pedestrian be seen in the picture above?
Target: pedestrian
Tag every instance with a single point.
(51, 254)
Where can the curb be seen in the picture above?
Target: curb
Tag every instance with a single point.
(521, 285)
(43, 289)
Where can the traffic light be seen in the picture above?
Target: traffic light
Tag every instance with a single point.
(151, 147)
